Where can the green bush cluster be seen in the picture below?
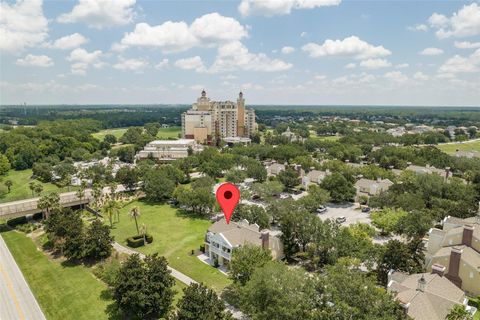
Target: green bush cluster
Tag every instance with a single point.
(137, 241)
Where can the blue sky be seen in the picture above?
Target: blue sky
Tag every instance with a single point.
(276, 51)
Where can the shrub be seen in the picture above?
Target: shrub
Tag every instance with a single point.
(27, 227)
(107, 271)
(137, 241)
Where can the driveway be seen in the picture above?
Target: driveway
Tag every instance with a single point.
(346, 210)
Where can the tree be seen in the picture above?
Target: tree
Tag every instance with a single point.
(256, 170)
(202, 303)
(8, 184)
(126, 154)
(387, 219)
(43, 171)
(348, 293)
(340, 189)
(81, 191)
(195, 198)
(158, 186)
(48, 202)
(277, 293)
(98, 241)
(110, 139)
(235, 176)
(128, 177)
(38, 188)
(252, 213)
(289, 178)
(315, 198)
(4, 164)
(459, 312)
(31, 186)
(135, 213)
(143, 289)
(152, 128)
(268, 189)
(397, 256)
(245, 260)
(111, 208)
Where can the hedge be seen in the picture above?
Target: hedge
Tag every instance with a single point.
(137, 241)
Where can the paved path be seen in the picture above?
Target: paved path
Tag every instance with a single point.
(16, 299)
(179, 276)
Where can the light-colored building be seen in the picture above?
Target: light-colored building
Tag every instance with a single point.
(428, 169)
(426, 296)
(275, 168)
(291, 136)
(209, 120)
(456, 247)
(467, 154)
(367, 187)
(314, 176)
(221, 240)
(167, 150)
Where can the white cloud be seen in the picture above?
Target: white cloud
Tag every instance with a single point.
(22, 25)
(464, 23)
(350, 65)
(420, 76)
(431, 52)
(418, 27)
(162, 64)
(197, 87)
(193, 63)
(280, 7)
(396, 76)
(351, 46)
(35, 61)
(320, 77)
(100, 13)
(459, 64)
(71, 41)
(136, 65)
(235, 56)
(402, 65)
(467, 45)
(81, 59)
(208, 30)
(288, 50)
(303, 34)
(375, 63)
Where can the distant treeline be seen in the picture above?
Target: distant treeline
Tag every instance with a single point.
(109, 116)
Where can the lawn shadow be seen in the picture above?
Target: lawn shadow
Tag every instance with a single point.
(189, 215)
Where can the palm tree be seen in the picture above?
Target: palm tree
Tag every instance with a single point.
(110, 208)
(31, 186)
(48, 202)
(38, 188)
(135, 213)
(81, 192)
(97, 193)
(9, 184)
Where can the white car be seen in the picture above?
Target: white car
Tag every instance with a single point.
(321, 209)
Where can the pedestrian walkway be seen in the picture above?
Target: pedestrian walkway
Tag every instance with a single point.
(179, 276)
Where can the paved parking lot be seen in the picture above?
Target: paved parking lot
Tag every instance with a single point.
(346, 210)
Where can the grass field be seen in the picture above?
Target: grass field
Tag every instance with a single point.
(163, 133)
(461, 146)
(174, 236)
(20, 189)
(63, 292)
(70, 292)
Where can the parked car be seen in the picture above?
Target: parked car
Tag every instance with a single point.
(255, 196)
(284, 196)
(321, 209)
(341, 219)
(366, 209)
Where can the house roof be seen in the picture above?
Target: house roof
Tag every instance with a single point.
(366, 183)
(469, 255)
(434, 303)
(238, 233)
(314, 175)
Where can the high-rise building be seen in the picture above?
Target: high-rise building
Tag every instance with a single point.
(208, 121)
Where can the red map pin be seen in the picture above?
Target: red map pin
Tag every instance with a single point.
(228, 196)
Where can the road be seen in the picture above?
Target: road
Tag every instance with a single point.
(16, 299)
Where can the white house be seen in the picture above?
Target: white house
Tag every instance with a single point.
(221, 240)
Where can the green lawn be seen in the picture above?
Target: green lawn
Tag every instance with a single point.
(20, 189)
(117, 132)
(163, 133)
(70, 292)
(465, 146)
(174, 236)
(172, 132)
